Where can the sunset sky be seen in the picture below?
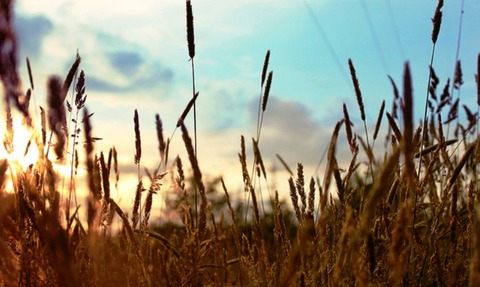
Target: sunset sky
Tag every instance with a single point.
(135, 56)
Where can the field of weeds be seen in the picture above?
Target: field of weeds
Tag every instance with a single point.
(407, 216)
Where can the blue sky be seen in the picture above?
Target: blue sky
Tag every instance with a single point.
(135, 56)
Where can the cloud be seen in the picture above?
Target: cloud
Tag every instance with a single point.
(129, 72)
(145, 82)
(226, 107)
(292, 130)
(289, 129)
(32, 32)
(113, 64)
(100, 85)
(153, 76)
(126, 62)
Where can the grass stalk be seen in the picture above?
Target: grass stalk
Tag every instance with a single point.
(361, 106)
(436, 21)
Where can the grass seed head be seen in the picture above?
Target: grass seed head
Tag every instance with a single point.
(138, 140)
(437, 21)
(265, 67)
(190, 30)
(358, 92)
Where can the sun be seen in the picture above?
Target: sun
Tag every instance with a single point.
(23, 151)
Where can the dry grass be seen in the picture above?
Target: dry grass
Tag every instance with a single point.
(414, 222)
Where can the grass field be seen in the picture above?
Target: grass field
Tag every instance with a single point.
(405, 216)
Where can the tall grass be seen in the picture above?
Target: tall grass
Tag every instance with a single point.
(414, 222)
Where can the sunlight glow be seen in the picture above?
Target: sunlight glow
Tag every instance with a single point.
(23, 153)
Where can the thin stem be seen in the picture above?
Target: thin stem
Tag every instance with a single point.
(425, 126)
(373, 32)
(457, 55)
(195, 148)
(425, 113)
(72, 184)
(330, 48)
(370, 147)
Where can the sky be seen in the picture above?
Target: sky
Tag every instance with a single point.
(135, 56)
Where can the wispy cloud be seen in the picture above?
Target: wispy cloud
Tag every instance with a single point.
(291, 130)
(130, 72)
(126, 62)
(32, 32)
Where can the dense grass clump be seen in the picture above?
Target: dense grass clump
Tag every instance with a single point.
(407, 216)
